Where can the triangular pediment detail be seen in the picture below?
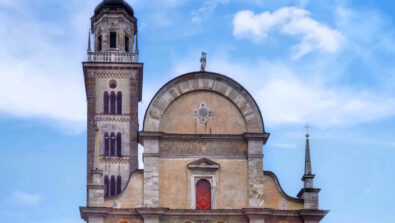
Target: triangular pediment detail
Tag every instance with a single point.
(203, 163)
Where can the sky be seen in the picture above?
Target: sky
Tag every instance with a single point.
(326, 63)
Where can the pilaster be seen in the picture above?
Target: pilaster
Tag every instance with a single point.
(96, 189)
(255, 173)
(151, 173)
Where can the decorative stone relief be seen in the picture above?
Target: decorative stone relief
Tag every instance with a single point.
(283, 204)
(256, 200)
(203, 113)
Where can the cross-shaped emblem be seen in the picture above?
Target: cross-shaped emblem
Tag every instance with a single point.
(203, 113)
(307, 127)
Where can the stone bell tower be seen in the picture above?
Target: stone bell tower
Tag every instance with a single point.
(113, 82)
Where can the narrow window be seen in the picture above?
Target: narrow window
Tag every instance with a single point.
(119, 184)
(112, 102)
(113, 40)
(99, 43)
(106, 144)
(112, 144)
(112, 186)
(203, 195)
(126, 43)
(106, 186)
(105, 102)
(119, 102)
(119, 144)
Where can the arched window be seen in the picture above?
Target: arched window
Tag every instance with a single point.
(119, 184)
(119, 102)
(99, 43)
(105, 102)
(106, 186)
(106, 144)
(126, 43)
(112, 144)
(113, 40)
(112, 186)
(203, 195)
(112, 102)
(119, 144)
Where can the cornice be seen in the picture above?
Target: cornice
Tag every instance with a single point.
(196, 137)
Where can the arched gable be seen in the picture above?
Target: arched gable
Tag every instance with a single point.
(203, 81)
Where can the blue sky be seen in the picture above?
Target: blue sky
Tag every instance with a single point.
(329, 63)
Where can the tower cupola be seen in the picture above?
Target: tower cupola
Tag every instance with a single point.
(114, 28)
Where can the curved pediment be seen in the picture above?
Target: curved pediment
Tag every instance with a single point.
(203, 103)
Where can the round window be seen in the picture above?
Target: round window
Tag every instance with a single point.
(112, 84)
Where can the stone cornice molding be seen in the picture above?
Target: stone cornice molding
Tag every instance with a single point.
(167, 213)
(196, 137)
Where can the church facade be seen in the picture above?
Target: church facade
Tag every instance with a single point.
(203, 137)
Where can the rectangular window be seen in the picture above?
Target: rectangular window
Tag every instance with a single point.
(113, 40)
(126, 43)
(99, 43)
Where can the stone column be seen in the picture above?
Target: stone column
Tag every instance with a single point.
(151, 173)
(255, 173)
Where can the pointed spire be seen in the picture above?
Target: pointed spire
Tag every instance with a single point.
(307, 166)
(136, 51)
(89, 42)
(308, 174)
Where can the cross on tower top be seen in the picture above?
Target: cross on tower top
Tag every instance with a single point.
(307, 127)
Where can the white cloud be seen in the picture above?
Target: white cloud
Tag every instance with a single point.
(286, 97)
(41, 73)
(26, 199)
(206, 10)
(290, 21)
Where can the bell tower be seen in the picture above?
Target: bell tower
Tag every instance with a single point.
(113, 81)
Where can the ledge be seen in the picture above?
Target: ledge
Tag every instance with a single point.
(196, 137)
(308, 190)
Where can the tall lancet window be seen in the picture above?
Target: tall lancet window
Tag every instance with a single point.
(119, 184)
(105, 102)
(119, 102)
(119, 144)
(126, 43)
(112, 144)
(106, 144)
(203, 195)
(99, 43)
(113, 40)
(112, 186)
(113, 99)
(107, 186)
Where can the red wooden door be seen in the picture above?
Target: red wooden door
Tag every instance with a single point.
(203, 195)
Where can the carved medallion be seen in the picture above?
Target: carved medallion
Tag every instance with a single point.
(203, 113)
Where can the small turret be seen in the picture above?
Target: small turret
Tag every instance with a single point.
(308, 193)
